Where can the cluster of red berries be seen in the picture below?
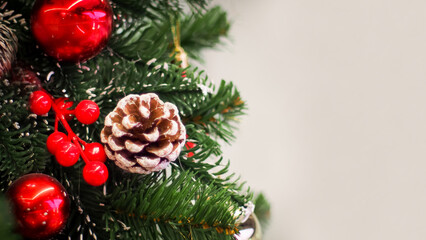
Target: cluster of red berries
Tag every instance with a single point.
(68, 148)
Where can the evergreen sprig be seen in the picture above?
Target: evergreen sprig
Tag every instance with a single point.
(6, 225)
(218, 112)
(22, 136)
(133, 38)
(201, 31)
(262, 210)
(177, 204)
(207, 168)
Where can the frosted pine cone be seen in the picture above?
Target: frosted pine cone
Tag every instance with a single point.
(143, 134)
(8, 48)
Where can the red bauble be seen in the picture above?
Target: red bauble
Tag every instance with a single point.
(67, 154)
(87, 112)
(95, 152)
(40, 205)
(72, 30)
(40, 102)
(55, 140)
(95, 173)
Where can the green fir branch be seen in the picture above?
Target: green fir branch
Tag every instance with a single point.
(218, 112)
(22, 138)
(6, 225)
(169, 206)
(207, 169)
(133, 38)
(203, 30)
(262, 210)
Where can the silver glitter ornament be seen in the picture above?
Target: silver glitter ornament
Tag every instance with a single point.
(249, 229)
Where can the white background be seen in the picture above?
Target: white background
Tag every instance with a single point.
(335, 134)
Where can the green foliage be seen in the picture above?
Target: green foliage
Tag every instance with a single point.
(217, 112)
(164, 205)
(262, 210)
(22, 137)
(6, 225)
(133, 38)
(177, 204)
(167, 6)
(207, 170)
(201, 31)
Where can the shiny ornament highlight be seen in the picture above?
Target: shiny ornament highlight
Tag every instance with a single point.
(87, 112)
(40, 102)
(95, 152)
(250, 229)
(54, 141)
(67, 154)
(40, 205)
(72, 30)
(95, 173)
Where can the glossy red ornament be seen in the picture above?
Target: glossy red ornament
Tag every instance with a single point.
(72, 30)
(67, 154)
(95, 173)
(87, 112)
(54, 141)
(95, 152)
(40, 205)
(40, 103)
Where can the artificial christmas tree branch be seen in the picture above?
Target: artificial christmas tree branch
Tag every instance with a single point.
(209, 27)
(197, 197)
(205, 207)
(22, 138)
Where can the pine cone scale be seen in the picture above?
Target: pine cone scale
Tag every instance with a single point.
(131, 121)
(115, 143)
(148, 162)
(110, 154)
(119, 131)
(163, 149)
(134, 146)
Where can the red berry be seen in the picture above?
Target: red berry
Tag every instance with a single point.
(95, 173)
(40, 102)
(67, 154)
(64, 105)
(87, 112)
(188, 146)
(95, 152)
(54, 141)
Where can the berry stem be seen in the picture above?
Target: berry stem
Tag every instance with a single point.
(69, 112)
(82, 154)
(74, 138)
(56, 124)
(82, 142)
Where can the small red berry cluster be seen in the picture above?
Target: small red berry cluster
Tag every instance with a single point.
(188, 146)
(68, 148)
